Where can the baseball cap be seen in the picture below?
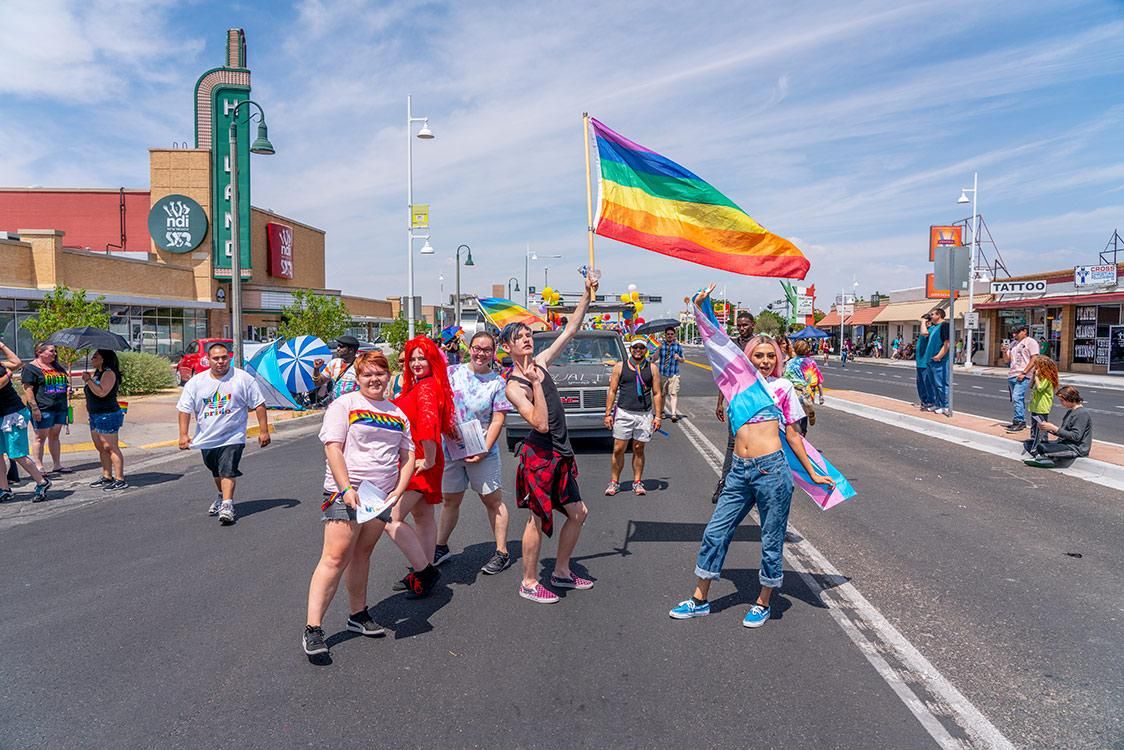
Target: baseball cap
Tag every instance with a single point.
(348, 341)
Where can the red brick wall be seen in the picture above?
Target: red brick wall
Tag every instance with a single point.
(89, 218)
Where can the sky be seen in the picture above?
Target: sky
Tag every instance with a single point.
(848, 128)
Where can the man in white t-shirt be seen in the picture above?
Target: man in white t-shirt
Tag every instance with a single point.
(221, 399)
(341, 369)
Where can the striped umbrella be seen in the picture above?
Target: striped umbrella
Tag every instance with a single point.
(295, 358)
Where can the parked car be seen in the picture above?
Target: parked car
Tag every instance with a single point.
(581, 373)
(379, 343)
(193, 360)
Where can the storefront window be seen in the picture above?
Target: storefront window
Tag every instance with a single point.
(1091, 332)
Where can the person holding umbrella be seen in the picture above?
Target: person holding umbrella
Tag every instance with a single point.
(106, 418)
(14, 418)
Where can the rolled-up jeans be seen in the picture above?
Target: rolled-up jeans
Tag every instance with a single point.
(766, 482)
(1018, 397)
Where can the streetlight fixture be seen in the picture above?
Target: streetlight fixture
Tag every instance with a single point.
(969, 333)
(261, 145)
(509, 286)
(842, 306)
(526, 269)
(424, 134)
(467, 262)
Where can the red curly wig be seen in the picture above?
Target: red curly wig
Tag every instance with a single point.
(438, 369)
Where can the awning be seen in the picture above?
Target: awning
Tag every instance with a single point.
(1069, 299)
(863, 316)
(829, 321)
(902, 312)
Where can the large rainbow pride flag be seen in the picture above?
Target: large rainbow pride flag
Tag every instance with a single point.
(502, 311)
(649, 201)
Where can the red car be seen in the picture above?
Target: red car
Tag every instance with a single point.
(194, 358)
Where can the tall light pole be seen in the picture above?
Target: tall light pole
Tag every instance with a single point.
(969, 333)
(261, 145)
(425, 134)
(526, 270)
(509, 286)
(441, 306)
(467, 262)
(842, 306)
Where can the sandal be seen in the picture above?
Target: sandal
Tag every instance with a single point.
(613, 488)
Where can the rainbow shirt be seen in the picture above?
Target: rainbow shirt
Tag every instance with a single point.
(372, 433)
(55, 382)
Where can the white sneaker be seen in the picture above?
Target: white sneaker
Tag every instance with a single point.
(226, 513)
(215, 506)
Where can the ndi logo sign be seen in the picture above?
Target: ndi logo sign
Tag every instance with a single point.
(177, 224)
(280, 238)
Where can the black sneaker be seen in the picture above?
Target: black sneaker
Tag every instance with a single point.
(119, 484)
(497, 564)
(400, 585)
(441, 553)
(362, 623)
(6, 496)
(313, 641)
(101, 482)
(1017, 427)
(421, 585)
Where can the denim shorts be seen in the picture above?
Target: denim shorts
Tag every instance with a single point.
(51, 418)
(337, 510)
(108, 423)
(485, 476)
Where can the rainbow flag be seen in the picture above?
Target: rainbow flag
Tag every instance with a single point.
(502, 311)
(649, 201)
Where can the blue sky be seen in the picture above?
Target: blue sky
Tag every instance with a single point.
(846, 127)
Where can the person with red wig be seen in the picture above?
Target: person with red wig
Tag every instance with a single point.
(427, 400)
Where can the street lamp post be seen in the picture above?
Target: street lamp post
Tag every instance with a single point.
(467, 262)
(526, 270)
(261, 145)
(425, 134)
(969, 333)
(509, 286)
(842, 307)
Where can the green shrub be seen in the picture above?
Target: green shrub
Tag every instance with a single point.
(144, 373)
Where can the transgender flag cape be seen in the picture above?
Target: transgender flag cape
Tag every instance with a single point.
(746, 395)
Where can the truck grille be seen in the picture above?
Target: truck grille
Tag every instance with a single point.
(583, 399)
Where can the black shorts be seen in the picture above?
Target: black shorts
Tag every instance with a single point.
(223, 461)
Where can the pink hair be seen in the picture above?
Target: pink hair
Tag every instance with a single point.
(757, 341)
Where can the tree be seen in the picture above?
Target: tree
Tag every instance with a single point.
(771, 323)
(314, 314)
(67, 308)
(396, 332)
(818, 314)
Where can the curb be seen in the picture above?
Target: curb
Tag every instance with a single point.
(1067, 378)
(278, 426)
(1087, 469)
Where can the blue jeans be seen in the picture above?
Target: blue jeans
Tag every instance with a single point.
(924, 391)
(767, 482)
(938, 378)
(1018, 396)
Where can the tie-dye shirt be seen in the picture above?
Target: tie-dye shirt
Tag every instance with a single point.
(220, 406)
(477, 396)
(786, 406)
(372, 433)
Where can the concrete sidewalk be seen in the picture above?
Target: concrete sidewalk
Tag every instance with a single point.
(1105, 464)
(1114, 382)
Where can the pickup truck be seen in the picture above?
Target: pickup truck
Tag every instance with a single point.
(581, 373)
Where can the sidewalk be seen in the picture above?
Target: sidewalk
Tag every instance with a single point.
(1105, 464)
(1112, 382)
(152, 422)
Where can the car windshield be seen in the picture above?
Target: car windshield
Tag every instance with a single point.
(584, 349)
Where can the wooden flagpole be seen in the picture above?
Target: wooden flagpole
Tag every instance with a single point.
(588, 188)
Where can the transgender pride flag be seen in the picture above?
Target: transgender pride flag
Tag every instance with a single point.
(747, 396)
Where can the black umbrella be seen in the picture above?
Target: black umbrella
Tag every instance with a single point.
(88, 338)
(654, 326)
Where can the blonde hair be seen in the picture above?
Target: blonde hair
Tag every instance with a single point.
(764, 339)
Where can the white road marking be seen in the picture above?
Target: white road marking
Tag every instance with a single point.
(978, 387)
(940, 707)
(899, 377)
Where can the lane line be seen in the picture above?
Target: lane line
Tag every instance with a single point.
(894, 658)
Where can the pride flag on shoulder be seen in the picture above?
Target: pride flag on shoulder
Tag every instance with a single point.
(747, 396)
(649, 201)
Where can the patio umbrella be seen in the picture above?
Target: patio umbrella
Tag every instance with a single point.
(295, 358)
(88, 337)
(657, 326)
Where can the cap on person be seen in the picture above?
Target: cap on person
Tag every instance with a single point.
(348, 341)
(635, 344)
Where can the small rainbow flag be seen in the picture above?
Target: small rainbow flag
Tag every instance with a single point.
(502, 311)
(649, 201)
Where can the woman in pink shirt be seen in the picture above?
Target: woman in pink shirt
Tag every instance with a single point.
(366, 438)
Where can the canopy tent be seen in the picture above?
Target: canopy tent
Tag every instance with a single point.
(810, 332)
(263, 366)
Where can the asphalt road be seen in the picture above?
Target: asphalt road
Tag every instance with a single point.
(137, 621)
(982, 395)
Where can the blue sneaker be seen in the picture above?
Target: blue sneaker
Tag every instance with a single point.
(756, 616)
(688, 609)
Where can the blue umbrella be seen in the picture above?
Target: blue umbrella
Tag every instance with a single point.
(295, 358)
(810, 332)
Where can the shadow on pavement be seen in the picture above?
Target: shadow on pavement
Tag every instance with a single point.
(250, 507)
(747, 584)
(150, 478)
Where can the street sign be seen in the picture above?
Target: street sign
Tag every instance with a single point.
(952, 264)
(804, 305)
(972, 321)
(419, 216)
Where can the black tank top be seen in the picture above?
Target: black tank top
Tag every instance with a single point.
(558, 438)
(10, 401)
(106, 404)
(634, 391)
